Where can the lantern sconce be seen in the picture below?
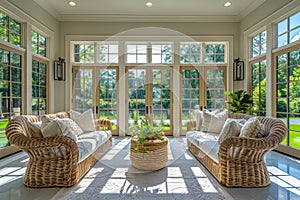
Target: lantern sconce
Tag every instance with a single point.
(59, 69)
(238, 70)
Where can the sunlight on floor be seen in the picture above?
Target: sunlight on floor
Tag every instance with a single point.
(282, 179)
(116, 149)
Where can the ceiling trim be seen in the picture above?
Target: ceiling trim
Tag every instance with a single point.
(143, 18)
(46, 6)
(254, 5)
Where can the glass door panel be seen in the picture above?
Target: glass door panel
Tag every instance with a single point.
(136, 95)
(204, 87)
(83, 89)
(215, 88)
(149, 96)
(190, 94)
(107, 101)
(161, 101)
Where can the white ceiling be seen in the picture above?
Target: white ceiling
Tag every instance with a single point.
(162, 10)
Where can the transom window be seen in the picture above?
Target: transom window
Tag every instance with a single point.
(10, 30)
(190, 53)
(136, 53)
(162, 53)
(38, 43)
(259, 44)
(214, 53)
(288, 30)
(108, 53)
(84, 53)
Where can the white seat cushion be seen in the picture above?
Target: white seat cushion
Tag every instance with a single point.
(206, 142)
(88, 143)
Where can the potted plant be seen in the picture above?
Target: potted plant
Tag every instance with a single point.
(241, 101)
(148, 146)
(144, 132)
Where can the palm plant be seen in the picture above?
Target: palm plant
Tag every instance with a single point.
(241, 102)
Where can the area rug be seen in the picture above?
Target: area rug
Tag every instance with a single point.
(112, 177)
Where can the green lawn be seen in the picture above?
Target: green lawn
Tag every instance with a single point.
(294, 136)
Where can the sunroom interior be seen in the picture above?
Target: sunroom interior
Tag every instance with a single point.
(126, 64)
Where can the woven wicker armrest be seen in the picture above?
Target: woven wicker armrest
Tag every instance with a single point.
(103, 124)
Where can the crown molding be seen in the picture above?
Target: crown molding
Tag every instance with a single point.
(250, 8)
(46, 6)
(144, 18)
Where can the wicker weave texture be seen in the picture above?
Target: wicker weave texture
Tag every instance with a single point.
(53, 161)
(155, 158)
(241, 159)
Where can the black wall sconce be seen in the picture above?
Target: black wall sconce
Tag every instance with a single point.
(59, 69)
(238, 70)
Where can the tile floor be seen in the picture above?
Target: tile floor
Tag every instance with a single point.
(284, 172)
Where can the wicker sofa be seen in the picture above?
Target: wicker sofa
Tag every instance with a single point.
(238, 161)
(55, 161)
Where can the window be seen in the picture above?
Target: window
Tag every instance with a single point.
(190, 53)
(84, 53)
(258, 87)
(10, 30)
(136, 53)
(288, 30)
(39, 87)
(10, 89)
(288, 93)
(214, 53)
(259, 44)
(162, 53)
(38, 43)
(108, 53)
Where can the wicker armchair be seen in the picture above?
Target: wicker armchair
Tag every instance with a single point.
(241, 160)
(53, 161)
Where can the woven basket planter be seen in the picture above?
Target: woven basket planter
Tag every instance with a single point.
(154, 159)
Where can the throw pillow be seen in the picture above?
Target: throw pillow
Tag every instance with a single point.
(213, 122)
(34, 130)
(253, 128)
(56, 127)
(72, 125)
(232, 127)
(198, 118)
(84, 120)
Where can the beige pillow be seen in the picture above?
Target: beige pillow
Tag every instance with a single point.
(34, 130)
(253, 128)
(72, 125)
(213, 122)
(198, 118)
(84, 120)
(232, 127)
(56, 127)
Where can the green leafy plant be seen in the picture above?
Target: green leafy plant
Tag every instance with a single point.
(241, 102)
(145, 131)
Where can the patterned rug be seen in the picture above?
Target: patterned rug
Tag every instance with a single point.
(113, 178)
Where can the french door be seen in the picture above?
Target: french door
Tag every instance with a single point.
(203, 86)
(149, 96)
(96, 88)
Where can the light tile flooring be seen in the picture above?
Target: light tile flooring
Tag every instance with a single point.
(284, 172)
